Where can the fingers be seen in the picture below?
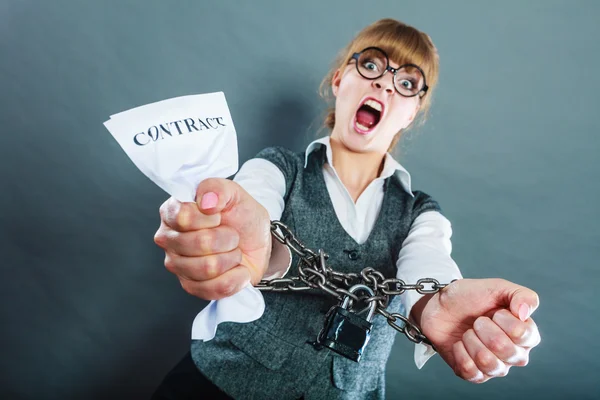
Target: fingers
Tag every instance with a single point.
(498, 342)
(493, 346)
(485, 361)
(464, 366)
(185, 217)
(202, 268)
(525, 334)
(200, 243)
(218, 243)
(224, 285)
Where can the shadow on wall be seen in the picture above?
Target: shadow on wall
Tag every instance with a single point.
(284, 119)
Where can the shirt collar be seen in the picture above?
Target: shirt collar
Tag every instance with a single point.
(390, 166)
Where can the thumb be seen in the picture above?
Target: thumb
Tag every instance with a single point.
(523, 302)
(215, 195)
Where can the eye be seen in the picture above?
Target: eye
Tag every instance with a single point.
(370, 65)
(407, 84)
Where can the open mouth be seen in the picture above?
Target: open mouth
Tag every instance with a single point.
(368, 115)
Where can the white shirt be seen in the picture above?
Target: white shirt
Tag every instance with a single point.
(425, 252)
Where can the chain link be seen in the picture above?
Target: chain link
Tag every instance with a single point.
(313, 273)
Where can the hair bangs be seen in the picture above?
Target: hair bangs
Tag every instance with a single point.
(403, 44)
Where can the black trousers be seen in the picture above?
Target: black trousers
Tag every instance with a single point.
(186, 382)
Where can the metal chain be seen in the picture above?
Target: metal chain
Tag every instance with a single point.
(315, 274)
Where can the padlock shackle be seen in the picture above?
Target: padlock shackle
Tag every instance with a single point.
(366, 289)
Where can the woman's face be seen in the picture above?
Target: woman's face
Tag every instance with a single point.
(369, 113)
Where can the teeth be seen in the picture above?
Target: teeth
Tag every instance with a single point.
(362, 127)
(373, 104)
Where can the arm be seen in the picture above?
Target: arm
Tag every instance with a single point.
(480, 327)
(425, 253)
(266, 184)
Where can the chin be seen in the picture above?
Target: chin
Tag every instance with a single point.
(357, 143)
(360, 141)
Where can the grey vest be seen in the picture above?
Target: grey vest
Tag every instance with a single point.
(270, 358)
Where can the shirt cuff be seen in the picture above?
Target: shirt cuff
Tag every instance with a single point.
(424, 352)
(280, 261)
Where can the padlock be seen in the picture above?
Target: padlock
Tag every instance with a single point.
(347, 333)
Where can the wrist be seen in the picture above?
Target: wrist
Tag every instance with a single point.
(417, 310)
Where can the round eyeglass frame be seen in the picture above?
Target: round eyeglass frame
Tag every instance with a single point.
(423, 90)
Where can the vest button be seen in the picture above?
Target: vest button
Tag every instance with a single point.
(353, 255)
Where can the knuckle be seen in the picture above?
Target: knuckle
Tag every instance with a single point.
(187, 286)
(167, 209)
(533, 333)
(183, 218)
(536, 341)
(485, 360)
(210, 181)
(474, 375)
(499, 345)
(227, 288)
(523, 361)
(170, 263)
(504, 282)
(211, 267)
(518, 331)
(210, 184)
(537, 298)
(159, 238)
(466, 369)
(204, 240)
(162, 210)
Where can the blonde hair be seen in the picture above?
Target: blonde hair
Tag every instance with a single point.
(404, 45)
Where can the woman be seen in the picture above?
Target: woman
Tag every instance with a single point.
(347, 195)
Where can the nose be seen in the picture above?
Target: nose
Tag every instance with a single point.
(384, 82)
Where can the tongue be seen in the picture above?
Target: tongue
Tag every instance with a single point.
(366, 118)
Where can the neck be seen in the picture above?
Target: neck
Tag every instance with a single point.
(355, 170)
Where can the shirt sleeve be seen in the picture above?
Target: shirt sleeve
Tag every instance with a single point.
(265, 182)
(425, 253)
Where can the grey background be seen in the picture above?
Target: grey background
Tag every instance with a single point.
(510, 151)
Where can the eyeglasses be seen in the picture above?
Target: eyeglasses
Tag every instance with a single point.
(409, 80)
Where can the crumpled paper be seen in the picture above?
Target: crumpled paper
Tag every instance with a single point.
(177, 143)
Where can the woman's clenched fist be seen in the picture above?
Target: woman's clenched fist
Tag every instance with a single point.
(217, 245)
